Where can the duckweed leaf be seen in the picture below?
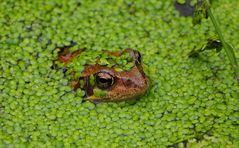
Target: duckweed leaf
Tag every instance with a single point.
(99, 92)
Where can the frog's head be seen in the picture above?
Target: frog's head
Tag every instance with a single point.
(102, 83)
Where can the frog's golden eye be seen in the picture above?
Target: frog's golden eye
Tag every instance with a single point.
(104, 80)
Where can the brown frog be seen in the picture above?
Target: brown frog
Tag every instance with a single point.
(105, 75)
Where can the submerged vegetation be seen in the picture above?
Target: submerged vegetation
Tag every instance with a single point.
(203, 10)
(191, 101)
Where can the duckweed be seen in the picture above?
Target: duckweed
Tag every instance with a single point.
(91, 57)
(99, 92)
(191, 101)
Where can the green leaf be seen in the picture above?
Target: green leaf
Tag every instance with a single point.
(233, 59)
(200, 12)
(92, 80)
(103, 61)
(214, 43)
(99, 92)
(210, 44)
(181, 1)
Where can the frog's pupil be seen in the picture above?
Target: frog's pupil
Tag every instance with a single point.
(102, 80)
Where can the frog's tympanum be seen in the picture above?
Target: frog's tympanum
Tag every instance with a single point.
(105, 75)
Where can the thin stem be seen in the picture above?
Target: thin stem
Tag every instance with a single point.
(229, 50)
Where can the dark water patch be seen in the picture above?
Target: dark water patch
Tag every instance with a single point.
(184, 9)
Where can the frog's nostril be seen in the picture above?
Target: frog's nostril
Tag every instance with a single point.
(127, 83)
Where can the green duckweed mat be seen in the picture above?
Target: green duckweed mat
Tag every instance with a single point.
(191, 102)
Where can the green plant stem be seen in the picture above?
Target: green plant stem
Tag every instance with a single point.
(229, 50)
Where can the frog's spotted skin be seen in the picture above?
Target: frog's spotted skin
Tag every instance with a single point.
(105, 76)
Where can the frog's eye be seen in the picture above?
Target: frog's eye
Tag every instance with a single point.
(104, 80)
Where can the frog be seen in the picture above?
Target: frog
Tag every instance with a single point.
(104, 76)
